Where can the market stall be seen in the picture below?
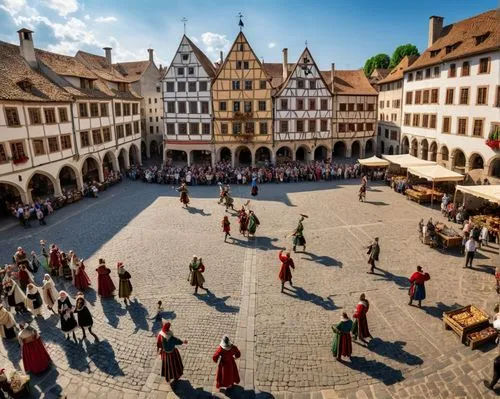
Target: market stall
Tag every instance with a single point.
(374, 162)
(488, 192)
(406, 160)
(434, 173)
(471, 324)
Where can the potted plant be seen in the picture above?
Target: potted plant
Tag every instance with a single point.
(20, 159)
(493, 140)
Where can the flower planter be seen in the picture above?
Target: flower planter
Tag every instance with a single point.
(17, 161)
(493, 144)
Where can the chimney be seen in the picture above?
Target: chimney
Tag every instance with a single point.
(333, 77)
(285, 63)
(221, 57)
(26, 47)
(435, 28)
(107, 51)
(151, 58)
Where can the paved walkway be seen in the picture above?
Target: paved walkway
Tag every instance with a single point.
(285, 338)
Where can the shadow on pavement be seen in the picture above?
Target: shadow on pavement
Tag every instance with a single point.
(394, 351)
(157, 324)
(303, 295)
(197, 211)
(377, 203)
(112, 310)
(103, 357)
(185, 390)
(401, 281)
(437, 311)
(375, 369)
(219, 304)
(322, 260)
(138, 313)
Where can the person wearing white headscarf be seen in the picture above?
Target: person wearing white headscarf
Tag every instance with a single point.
(227, 370)
(15, 296)
(34, 300)
(49, 292)
(65, 308)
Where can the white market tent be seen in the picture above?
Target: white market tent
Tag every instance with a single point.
(374, 162)
(407, 160)
(490, 193)
(435, 173)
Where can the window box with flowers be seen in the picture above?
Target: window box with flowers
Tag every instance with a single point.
(493, 140)
(19, 160)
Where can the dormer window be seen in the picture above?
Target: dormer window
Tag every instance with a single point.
(482, 38)
(435, 52)
(25, 85)
(122, 86)
(452, 47)
(86, 83)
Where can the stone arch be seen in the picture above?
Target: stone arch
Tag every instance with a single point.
(284, 153)
(200, 157)
(123, 159)
(432, 152)
(154, 150)
(355, 149)
(391, 150)
(177, 156)
(69, 177)
(414, 147)
(494, 167)
(144, 149)
(458, 160)
(91, 169)
(405, 145)
(41, 185)
(262, 155)
(243, 155)
(369, 148)
(133, 155)
(10, 194)
(476, 161)
(339, 149)
(224, 154)
(301, 154)
(320, 153)
(445, 153)
(424, 149)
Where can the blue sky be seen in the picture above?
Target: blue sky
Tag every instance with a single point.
(344, 32)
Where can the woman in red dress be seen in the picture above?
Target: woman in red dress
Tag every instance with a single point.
(172, 367)
(105, 285)
(35, 357)
(285, 272)
(227, 371)
(360, 327)
(82, 280)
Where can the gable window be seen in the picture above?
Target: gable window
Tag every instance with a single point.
(192, 87)
(247, 106)
(236, 85)
(63, 115)
(245, 65)
(241, 47)
(484, 65)
(84, 139)
(300, 84)
(181, 86)
(185, 57)
(312, 83)
(35, 116)
(203, 86)
(262, 105)
(239, 64)
(262, 84)
(38, 147)
(190, 71)
(170, 87)
(66, 141)
(481, 38)
(284, 104)
(180, 71)
(248, 85)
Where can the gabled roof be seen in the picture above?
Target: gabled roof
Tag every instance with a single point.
(290, 73)
(64, 65)
(132, 71)
(275, 72)
(380, 73)
(14, 69)
(202, 58)
(461, 40)
(99, 65)
(349, 82)
(398, 71)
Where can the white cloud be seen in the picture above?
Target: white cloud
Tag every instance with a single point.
(13, 7)
(214, 43)
(105, 19)
(271, 45)
(64, 7)
(86, 17)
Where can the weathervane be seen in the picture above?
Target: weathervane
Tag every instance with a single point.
(306, 43)
(240, 23)
(184, 21)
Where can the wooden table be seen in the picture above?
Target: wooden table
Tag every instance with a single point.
(449, 242)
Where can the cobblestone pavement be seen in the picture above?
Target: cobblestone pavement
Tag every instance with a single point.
(285, 338)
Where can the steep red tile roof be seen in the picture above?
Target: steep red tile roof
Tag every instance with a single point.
(132, 71)
(398, 71)
(275, 71)
(64, 65)
(349, 82)
(99, 65)
(465, 36)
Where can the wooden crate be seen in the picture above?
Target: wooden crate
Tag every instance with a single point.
(478, 342)
(450, 242)
(462, 332)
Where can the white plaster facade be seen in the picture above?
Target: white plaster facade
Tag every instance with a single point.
(390, 107)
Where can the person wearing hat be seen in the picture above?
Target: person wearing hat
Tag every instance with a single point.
(34, 300)
(105, 286)
(83, 315)
(124, 286)
(196, 269)
(49, 292)
(227, 370)
(7, 323)
(373, 252)
(360, 326)
(298, 235)
(417, 287)
(172, 367)
(184, 194)
(35, 357)
(65, 309)
(285, 273)
(342, 343)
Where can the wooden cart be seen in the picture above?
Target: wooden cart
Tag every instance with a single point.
(449, 242)
(472, 319)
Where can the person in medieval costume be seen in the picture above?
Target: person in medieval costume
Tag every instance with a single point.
(49, 292)
(360, 326)
(243, 219)
(34, 300)
(65, 309)
(36, 359)
(342, 344)
(255, 189)
(82, 280)
(73, 264)
(417, 287)
(65, 267)
(228, 201)
(226, 227)
(7, 323)
(253, 222)
(125, 286)
(105, 286)
(45, 255)
(285, 273)
(227, 370)
(373, 252)
(35, 262)
(54, 260)
(184, 194)
(298, 235)
(84, 316)
(20, 258)
(15, 296)
(24, 277)
(172, 367)
(196, 269)
(223, 192)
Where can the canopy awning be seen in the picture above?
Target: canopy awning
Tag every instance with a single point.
(374, 162)
(407, 160)
(490, 193)
(435, 173)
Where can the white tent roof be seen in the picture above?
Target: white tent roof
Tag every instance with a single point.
(491, 192)
(435, 173)
(373, 161)
(407, 160)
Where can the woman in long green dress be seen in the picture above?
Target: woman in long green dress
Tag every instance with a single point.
(342, 344)
(253, 222)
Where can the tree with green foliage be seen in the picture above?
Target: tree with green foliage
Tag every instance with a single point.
(377, 61)
(401, 52)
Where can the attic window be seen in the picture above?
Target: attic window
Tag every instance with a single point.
(25, 85)
(482, 38)
(185, 57)
(435, 52)
(86, 83)
(452, 47)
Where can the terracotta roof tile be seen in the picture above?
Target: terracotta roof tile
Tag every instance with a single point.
(13, 69)
(349, 82)
(99, 66)
(204, 60)
(64, 65)
(463, 34)
(275, 71)
(398, 71)
(132, 71)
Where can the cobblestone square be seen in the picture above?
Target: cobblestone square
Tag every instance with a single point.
(285, 338)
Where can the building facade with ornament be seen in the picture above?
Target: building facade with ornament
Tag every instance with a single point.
(451, 109)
